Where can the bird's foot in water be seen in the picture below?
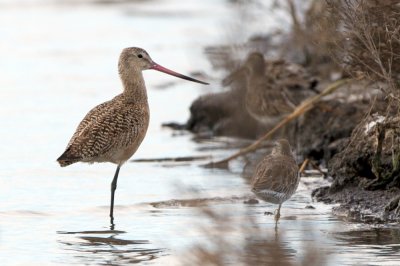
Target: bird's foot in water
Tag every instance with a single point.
(277, 215)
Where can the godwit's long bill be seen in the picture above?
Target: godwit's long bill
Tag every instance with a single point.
(114, 130)
(176, 74)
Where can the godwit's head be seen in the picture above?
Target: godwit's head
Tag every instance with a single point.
(137, 59)
(282, 147)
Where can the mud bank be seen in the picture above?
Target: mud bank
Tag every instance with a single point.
(366, 173)
(359, 205)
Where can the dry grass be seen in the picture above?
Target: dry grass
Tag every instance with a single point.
(360, 38)
(370, 43)
(312, 38)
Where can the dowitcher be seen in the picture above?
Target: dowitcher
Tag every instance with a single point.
(114, 130)
(276, 177)
(265, 100)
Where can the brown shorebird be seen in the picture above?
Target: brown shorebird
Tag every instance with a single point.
(113, 130)
(265, 100)
(276, 177)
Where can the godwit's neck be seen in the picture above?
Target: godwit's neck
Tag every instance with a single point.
(134, 86)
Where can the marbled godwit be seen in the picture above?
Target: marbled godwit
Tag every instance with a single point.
(113, 130)
(276, 177)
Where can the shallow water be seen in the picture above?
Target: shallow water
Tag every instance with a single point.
(58, 60)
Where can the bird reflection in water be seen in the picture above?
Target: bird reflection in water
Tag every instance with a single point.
(107, 247)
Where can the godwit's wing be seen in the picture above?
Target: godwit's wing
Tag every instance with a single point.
(89, 118)
(111, 131)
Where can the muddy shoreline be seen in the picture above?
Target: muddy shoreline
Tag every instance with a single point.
(359, 205)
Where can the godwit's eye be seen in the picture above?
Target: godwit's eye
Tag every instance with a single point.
(140, 56)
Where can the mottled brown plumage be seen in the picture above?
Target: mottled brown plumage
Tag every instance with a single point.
(265, 100)
(276, 177)
(113, 130)
(269, 89)
(110, 132)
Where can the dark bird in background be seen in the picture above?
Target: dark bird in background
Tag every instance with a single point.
(265, 100)
(270, 89)
(114, 130)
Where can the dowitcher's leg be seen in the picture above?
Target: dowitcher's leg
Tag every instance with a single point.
(278, 213)
(113, 188)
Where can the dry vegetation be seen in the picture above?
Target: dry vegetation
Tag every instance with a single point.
(370, 43)
(360, 38)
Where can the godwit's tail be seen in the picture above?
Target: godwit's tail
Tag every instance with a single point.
(67, 158)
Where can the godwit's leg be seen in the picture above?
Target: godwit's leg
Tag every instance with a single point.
(113, 188)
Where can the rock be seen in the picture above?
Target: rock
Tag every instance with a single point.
(251, 201)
